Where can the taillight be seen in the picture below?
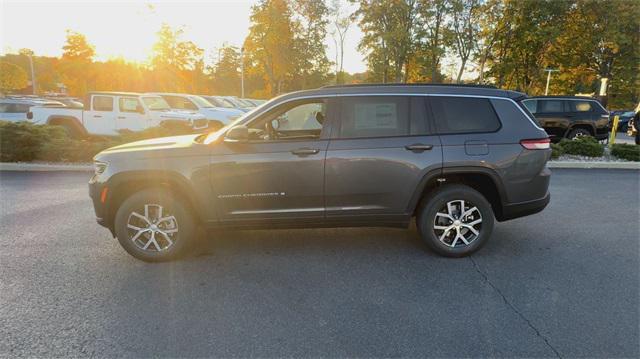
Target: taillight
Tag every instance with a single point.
(538, 144)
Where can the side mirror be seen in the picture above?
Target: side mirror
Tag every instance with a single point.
(140, 110)
(237, 134)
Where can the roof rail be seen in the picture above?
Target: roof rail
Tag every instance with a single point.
(417, 84)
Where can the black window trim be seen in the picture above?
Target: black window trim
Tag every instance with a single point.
(433, 118)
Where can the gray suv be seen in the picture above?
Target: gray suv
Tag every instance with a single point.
(453, 157)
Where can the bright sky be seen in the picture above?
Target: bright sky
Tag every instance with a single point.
(128, 29)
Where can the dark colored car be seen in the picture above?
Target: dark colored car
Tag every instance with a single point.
(570, 116)
(452, 157)
(624, 117)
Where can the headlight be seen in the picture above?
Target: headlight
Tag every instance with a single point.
(99, 167)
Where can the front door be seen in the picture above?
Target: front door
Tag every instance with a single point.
(380, 150)
(279, 173)
(100, 120)
(130, 115)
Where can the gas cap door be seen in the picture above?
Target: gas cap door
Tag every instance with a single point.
(476, 148)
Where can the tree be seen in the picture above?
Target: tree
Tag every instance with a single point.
(310, 20)
(433, 34)
(270, 43)
(340, 24)
(12, 77)
(75, 66)
(389, 39)
(77, 48)
(492, 26)
(465, 17)
(178, 64)
(226, 71)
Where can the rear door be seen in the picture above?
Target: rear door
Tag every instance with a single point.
(380, 149)
(554, 116)
(100, 119)
(130, 115)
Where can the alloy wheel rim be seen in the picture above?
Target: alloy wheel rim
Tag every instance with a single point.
(458, 223)
(154, 231)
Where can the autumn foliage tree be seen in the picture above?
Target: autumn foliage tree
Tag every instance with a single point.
(12, 77)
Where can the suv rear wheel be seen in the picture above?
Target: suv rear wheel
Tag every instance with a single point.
(578, 132)
(152, 225)
(455, 220)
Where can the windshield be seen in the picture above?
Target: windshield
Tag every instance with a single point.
(200, 102)
(156, 103)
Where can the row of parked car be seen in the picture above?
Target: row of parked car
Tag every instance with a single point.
(108, 113)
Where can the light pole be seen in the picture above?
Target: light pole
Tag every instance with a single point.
(33, 76)
(242, 72)
(549, 71)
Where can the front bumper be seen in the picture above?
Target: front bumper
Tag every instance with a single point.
(96, 192)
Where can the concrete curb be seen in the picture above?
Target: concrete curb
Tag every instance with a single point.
(594, 164)
(44, 167)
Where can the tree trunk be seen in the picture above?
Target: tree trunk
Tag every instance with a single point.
(462, 65)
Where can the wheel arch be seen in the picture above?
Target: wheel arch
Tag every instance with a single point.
(484, 180)
(74, 122)
(122, 185)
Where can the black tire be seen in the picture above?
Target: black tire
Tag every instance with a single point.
(436, 201)
(72, 127)
(578, 132)
(184, 224)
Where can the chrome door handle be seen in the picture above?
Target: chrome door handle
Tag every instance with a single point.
(121, 117)
(305, 151)
(96, 116)
(418, 147)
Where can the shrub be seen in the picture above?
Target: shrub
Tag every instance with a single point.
(556, 151)
(626, 151)
(25, 142)
(582, 146)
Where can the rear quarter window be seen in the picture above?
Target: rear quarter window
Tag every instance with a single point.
(464, 115)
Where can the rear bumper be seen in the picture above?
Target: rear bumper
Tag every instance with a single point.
(521, 209)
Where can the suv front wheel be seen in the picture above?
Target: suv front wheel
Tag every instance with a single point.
(455, 220)
(154, 226)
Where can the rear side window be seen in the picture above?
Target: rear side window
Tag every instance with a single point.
(381, 116)
(531, 105)
(102, 103)
(581, 106)
(548, 106)
(464, 115)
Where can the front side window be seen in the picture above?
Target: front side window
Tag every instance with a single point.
(549, 106)
(464, 115)
(180, 103)
(156, 103)
(102, 103)
(129, 104)
(581, 106)
(298, 120)
(376, 116)
(201, 102)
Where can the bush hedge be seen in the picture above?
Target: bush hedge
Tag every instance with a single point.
(626, 151)
(26, 142)
(556, 151)
(582, 146)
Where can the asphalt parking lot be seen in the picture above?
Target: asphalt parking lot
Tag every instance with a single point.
(562, 283)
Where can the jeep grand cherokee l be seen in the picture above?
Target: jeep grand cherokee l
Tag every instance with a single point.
(570, 116)
(452, 157)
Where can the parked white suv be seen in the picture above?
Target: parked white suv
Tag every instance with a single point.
(217, 116)
(108, 113)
